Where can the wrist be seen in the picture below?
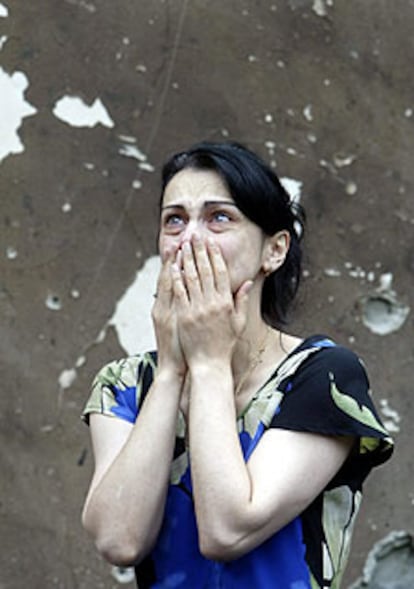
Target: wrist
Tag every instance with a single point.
(170, 375)
(209, 368)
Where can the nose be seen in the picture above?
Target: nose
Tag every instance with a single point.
(192, 227)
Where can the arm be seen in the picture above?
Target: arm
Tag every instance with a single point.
(125, 503)
(240, 505)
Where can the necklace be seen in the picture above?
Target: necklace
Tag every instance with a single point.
(257, 359)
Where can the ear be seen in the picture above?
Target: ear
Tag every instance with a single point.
(275, 251)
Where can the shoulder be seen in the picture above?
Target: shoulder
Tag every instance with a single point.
(329, 394)
(321, 358)
(119, 385)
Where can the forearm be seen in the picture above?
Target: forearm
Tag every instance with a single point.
(221, 481)
(124, 511)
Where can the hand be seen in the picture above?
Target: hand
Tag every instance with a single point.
(210, 318)
(170, 354)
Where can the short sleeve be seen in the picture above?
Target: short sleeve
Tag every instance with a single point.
(118, 388)
(329, 394)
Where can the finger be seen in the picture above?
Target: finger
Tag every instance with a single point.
(164, 283)
(178, 286)
(220, 272)
(204, 268)
(190, 273)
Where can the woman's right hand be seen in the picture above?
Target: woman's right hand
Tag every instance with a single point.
(170, 354)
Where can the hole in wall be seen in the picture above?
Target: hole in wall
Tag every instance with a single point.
(382, 313)
(53, 302)
(390, 564)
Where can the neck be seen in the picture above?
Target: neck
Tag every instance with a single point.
(251, 348)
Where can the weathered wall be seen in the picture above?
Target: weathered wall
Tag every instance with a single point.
(323, 89)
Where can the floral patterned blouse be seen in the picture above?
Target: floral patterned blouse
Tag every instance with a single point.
(321, 388)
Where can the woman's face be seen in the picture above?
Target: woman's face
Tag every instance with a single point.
(199, 201)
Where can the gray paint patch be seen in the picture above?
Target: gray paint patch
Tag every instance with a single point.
(390, 564)
(381, 311)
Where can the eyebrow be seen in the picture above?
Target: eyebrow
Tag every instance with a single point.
(206, 204)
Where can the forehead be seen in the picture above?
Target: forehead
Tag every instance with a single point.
(189, 186)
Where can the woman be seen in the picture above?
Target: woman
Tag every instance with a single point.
(235, 455)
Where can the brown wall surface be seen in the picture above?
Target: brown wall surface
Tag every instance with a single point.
(321, 89)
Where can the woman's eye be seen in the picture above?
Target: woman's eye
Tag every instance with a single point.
(173, 220)
(173, 223)
(221, 217)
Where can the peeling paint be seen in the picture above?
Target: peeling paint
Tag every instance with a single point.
(66, 207)
(3, 40)
(332, 272)
(392, 418)
(307, 113)
(293, 187)
(14, 109)
(11, 253)
(320, 7)
(67, 378)
(341, 160)
(4, 11)
(146, 167)
(80, 361)
(351, 188)
(385, 281)
(132, 316)
(130, 149)
(75, 112)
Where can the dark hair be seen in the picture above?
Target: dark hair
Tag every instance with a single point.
(258, 193)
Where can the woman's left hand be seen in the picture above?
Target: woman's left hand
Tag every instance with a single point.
(210, 318)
